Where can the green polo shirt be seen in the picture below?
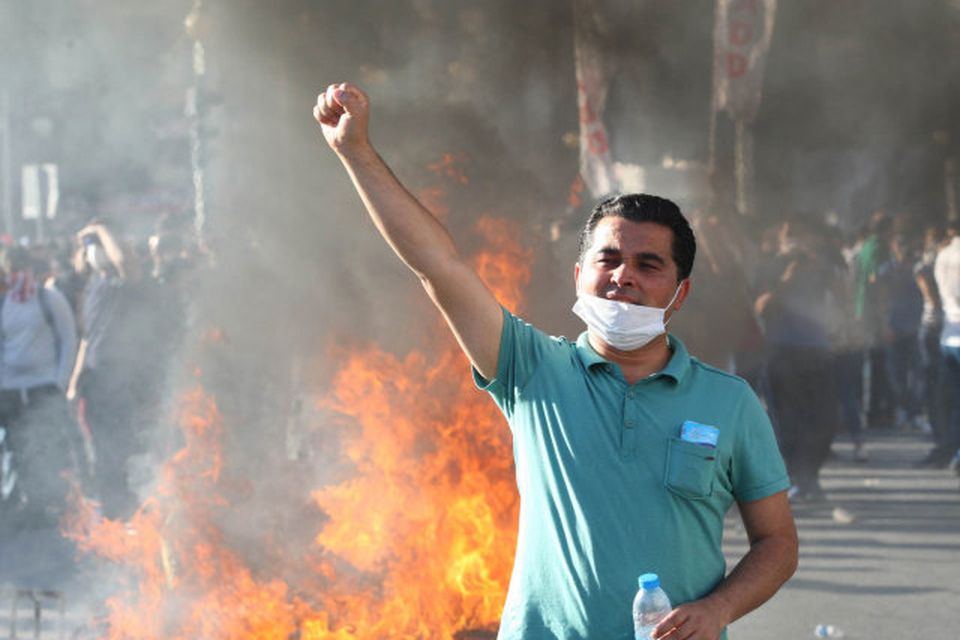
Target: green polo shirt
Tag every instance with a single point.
(609, 491)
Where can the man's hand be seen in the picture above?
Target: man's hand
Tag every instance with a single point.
(699, 620)
(343, 113)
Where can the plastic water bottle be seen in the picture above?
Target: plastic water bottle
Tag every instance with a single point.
(650, 606)
(827, 631)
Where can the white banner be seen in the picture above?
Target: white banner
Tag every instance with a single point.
(40, 189)
(742, 33)
(30, 191)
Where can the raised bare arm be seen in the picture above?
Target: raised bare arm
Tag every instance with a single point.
(411, 230)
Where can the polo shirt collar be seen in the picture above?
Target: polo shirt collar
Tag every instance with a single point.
(676, 368)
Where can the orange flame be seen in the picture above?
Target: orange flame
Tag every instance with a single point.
(431, 512)
(450, 166)
(183, 581)
(417, 542)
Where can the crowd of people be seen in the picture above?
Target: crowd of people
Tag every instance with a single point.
(860, 333)
(87, 328)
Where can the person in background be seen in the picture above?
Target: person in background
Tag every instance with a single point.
(802, 315)
(764, 274)
(870, 301)
(38, 341)
(169, 254)
(162, 313)
(850, 354)
(65, 277)
(97, 378)
(904, 310)
(946, 271)
(931, 326)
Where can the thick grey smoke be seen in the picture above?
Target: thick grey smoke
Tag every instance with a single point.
(858, 113)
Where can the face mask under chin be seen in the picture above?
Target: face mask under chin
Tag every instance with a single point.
(622, 325)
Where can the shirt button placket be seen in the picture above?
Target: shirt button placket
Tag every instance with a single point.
(629, 434)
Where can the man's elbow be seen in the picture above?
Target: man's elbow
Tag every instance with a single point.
(783, 552)
(790, 554)
(794, 560)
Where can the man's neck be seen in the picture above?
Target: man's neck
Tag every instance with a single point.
(636, 364)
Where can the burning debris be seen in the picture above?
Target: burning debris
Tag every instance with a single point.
(416, 538)
(408, 529)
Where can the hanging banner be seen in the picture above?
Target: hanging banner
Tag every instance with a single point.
(40, 191)
(741, 38)
(30, 191)
(593, 77)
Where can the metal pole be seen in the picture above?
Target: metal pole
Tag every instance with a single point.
(6, 162)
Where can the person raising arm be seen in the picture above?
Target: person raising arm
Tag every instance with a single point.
(611, 405)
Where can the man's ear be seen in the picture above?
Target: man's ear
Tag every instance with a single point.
(682, 294)
(576, 276)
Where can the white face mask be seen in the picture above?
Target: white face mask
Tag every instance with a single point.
(622, 325)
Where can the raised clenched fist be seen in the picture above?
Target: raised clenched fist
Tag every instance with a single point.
(342, 111)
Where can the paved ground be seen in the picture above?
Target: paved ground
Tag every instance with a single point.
(892, 572)
(880, 560)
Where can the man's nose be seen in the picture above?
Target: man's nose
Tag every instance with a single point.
(624, 276)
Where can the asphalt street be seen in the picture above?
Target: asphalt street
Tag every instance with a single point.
(880, 559)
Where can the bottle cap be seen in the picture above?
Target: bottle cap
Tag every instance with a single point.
(649, 581)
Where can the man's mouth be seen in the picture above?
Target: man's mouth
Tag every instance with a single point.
(619, 296)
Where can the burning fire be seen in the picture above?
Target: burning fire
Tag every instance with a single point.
(431, 512)
(183, 581)
(416, 542)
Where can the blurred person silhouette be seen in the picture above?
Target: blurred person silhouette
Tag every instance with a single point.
(769, 267)
(97, 383)
(849, 355)
(931, 326)
(64, 275)
(802, 315)
(38, 341)
(946, 271)
(171, 260)
(162, 312)
(170, 255)
(870, 309)
(904, 309)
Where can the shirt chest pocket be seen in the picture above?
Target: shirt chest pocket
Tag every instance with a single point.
(690, 469)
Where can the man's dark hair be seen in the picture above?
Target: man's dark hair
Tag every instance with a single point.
(641, 207)
(15, 258)
(881, 224)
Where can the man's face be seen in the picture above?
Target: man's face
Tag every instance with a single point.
(630, 262)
